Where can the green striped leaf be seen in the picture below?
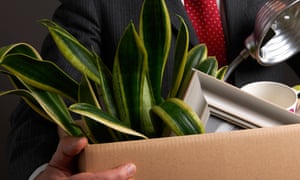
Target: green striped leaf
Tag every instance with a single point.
(55, 107)
(129, 72)
(181, 50)
(28, 98)
(86, 93)
(20, 48)
(195, 56)
(100, 116)
(296, 87)
(106, 87)
(40, 74)
(209, 66)
(79, 56)
(221, 72)
(155, 31)
(178, 116)
(22, 90)
(97, 132)
(148, 127)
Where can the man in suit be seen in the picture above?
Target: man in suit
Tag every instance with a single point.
(99, 24)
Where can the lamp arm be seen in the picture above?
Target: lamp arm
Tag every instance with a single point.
(242, 56)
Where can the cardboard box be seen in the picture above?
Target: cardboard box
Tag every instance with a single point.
(263, 153)
(271, 151)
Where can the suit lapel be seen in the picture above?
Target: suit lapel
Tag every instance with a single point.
(175, 8)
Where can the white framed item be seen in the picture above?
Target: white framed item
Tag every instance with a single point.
(223, 107)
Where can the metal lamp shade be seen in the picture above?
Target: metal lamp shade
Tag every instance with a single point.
(276, 36)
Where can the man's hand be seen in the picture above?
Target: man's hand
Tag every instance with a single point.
(62, 164)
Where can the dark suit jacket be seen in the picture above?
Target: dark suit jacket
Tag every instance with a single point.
(98, 24)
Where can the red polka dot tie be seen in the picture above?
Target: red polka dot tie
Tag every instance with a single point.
(206, 20)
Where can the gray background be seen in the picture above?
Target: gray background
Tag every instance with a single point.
(18, 24)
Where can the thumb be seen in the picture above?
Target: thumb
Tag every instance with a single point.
(67, 149)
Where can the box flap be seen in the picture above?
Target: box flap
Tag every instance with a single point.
(263, 153)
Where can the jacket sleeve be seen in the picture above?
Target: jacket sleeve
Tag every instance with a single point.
(31, 142)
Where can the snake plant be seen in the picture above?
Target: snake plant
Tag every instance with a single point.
(116, 104)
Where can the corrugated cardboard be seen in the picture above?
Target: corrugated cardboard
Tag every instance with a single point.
(264, 153)
(261, 153)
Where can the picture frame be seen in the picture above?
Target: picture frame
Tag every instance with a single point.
(222, 105)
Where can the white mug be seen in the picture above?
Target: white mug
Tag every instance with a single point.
(274, 92)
